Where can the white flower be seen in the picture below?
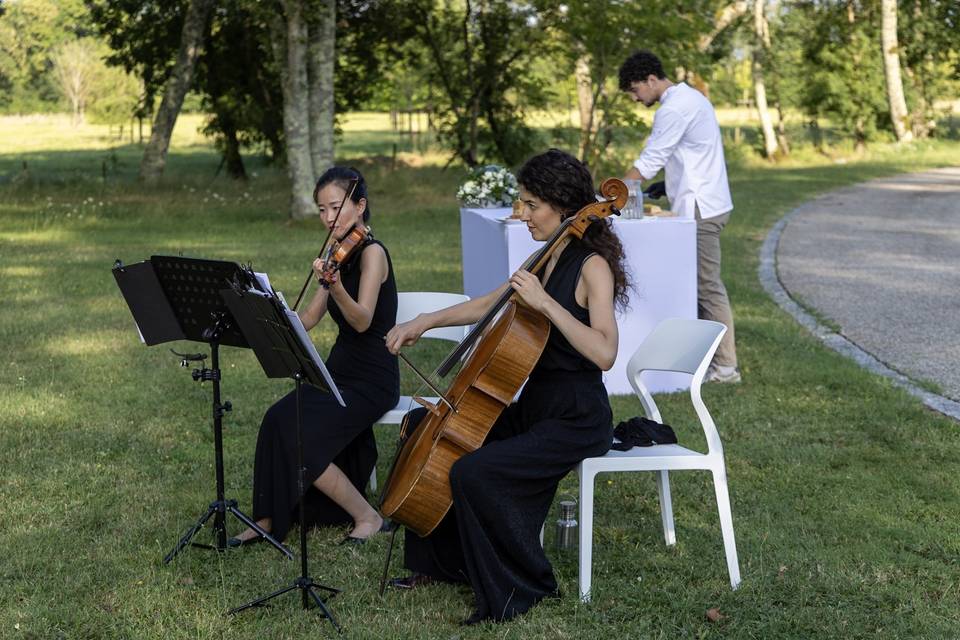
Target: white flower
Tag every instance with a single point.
(489, 186)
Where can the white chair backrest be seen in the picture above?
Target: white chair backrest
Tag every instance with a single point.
(677, 344)
(684, 346)
(411, 303)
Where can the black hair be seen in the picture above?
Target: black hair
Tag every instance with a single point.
(344, 177)
(565, 183)
(638, 67)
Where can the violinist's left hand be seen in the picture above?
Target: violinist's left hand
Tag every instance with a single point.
(529, 289)
(318, 269)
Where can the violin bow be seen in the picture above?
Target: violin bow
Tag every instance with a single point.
(349, 194)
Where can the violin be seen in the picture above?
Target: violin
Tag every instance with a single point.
(306, 283)
(358, 236)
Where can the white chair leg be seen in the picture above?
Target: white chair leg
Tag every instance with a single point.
(726, 526)
(666, 507)
(586, 532)
(373, 480)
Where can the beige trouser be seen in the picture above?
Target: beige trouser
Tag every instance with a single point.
(712, 300)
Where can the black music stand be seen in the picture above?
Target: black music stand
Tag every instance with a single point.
(177, 298)
(285, 350)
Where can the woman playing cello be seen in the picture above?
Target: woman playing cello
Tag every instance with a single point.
(339, 446)
(503, 490)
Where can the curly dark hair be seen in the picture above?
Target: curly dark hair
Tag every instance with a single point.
(343, 177)
(638, 67)
(562, 181)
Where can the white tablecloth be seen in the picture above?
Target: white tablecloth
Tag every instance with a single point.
(661, 262)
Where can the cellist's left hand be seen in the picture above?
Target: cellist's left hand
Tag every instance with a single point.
(529, 289)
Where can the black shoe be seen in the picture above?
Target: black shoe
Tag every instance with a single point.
(233, 543)
(412, 581)
(384, 527)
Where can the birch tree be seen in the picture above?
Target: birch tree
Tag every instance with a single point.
(891, 70)
(320, 72)
(760, 48)
(585, 104)
(290, 38)
(191, 46)
(75, 65)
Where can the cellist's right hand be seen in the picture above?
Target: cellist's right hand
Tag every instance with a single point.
(405, 334)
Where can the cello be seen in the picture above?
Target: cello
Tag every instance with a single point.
(507, 343)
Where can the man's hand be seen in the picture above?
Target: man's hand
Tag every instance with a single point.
(656, 191)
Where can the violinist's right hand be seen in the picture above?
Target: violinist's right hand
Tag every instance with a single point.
(405, 334)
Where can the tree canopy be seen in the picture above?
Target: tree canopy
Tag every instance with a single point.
(479, 68)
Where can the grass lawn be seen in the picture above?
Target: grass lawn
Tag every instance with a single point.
(844, 488)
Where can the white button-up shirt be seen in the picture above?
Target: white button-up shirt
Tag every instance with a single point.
(685, 141)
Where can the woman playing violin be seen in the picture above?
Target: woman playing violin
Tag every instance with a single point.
(338, 444)
(503, 490)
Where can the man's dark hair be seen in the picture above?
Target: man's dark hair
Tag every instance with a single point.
(638, 67)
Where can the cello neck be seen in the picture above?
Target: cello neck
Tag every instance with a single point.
(533, 264)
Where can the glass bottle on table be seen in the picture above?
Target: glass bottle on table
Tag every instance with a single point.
(634, 207)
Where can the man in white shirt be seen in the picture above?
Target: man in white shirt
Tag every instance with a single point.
(685, 142)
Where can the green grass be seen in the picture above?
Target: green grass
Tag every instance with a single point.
(844, 488)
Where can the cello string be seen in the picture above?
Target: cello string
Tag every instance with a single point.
(458, 351)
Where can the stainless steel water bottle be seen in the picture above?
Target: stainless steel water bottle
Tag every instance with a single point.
(567, 525)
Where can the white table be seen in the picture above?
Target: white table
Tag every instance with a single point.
(661, 263)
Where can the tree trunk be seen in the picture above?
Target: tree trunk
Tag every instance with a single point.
(322, 52)
(759, 87)
(922, 122)
(290, 48)
(475, 100)
(586, 104)
(231, 148)
(891, 70)
(191, 45)
(782, 130)
(724, 18)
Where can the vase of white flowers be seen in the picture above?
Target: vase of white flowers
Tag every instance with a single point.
(487, 187)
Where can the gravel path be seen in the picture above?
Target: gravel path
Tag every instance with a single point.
(881, 261)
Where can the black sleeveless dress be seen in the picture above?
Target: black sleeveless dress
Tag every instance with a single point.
(503, 491)
(369, 381)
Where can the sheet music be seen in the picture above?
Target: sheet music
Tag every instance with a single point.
(312, 350)
(264, 280)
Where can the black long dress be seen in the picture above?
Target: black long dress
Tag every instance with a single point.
(503, 491)
(369, 381)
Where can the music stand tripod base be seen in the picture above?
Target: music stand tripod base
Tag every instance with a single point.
(220, 507)
(304, 582)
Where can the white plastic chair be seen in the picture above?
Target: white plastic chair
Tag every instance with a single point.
(409, 305)
(679, 345)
